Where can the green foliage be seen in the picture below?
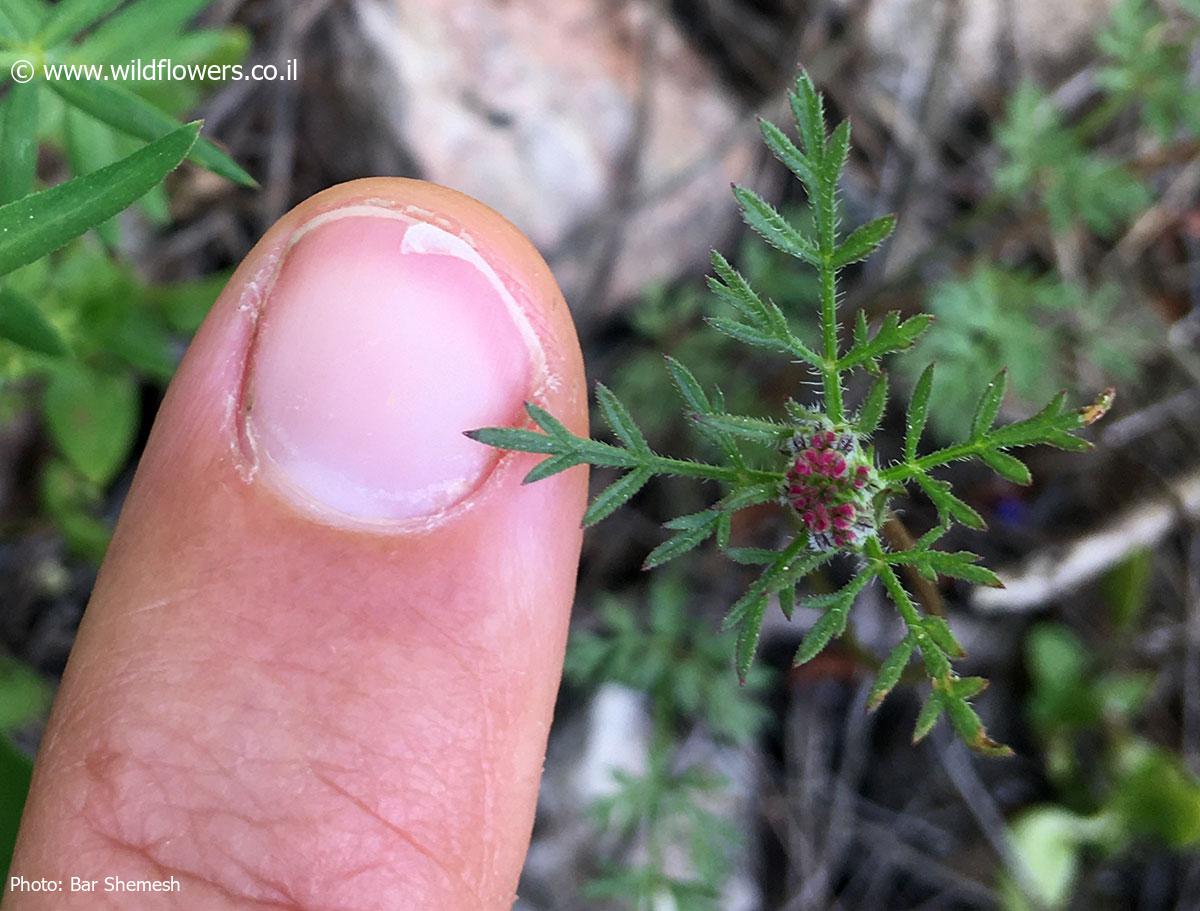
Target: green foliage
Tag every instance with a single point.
(128, 113)
(679, 665)
(1047, 330)
(1049, 161)
(672, 656)
(1156, 796)
(1047, 841)
(1126, 588)
(1034, 326)
(118, 332)
(16, 772)
(669, 322)
(107, 33)
(1147, 65)
(24, 697)
(93, 417)
(1068, 696)
(86, 333)
(26, 326)
(1143, 792)
(835, 508)
(40, 223)
(669, 810)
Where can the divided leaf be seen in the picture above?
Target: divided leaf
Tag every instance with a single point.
(748, 635)
(832, 623)
(787, 153)
(891, 337)
(949, 507)
(989, 406)
(890, 671)
(616, 495)
(817, 160)
(930, 712)
(863, 241)
(1008, 467)
(689, 387)
(808, 109)
(918, 413)
(758, 430)
(772, 227)
(871, 412)
(699, 529)
(515, 439)
(618, 419)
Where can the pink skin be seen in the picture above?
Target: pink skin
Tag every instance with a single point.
(320, 663)
(419, 321)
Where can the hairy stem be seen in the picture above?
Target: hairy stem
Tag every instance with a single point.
(830, 372)
(935, 659)
(730, 474)
(826, 224)
(906, 470)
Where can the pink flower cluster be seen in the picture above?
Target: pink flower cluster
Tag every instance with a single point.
(826, 485)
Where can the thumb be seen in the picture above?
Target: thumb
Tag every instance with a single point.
(319, 666)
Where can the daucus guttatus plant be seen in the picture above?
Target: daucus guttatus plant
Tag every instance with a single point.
(817, 463)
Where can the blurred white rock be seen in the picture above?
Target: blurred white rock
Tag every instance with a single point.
(593, 126)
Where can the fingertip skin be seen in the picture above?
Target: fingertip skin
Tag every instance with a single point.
(284, 706)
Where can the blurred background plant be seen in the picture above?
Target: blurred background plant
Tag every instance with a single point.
(665, 842)
(669, 320)
(82, 333)
(1053, 323)
(1114, 791)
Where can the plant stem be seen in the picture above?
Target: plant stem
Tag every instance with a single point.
(826, 224)
(830, 373)
(899, 536)
(906, 470)
(683, 467)
(935, 659)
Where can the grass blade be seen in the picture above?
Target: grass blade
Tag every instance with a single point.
(39, 224)
(129, 113)
(139, 26)
(70, 17)
(24, 16)
(18, 141)
(91, 146)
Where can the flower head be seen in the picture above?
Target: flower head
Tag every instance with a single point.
(830, 485)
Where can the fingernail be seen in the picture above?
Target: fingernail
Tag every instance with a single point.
(380, 342)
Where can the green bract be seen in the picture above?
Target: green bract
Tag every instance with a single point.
(762, 461)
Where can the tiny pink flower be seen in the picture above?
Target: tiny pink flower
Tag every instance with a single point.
(829, 485)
